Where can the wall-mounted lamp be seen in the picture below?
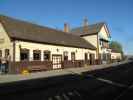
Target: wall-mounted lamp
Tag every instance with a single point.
(57, 50)
(20, 46)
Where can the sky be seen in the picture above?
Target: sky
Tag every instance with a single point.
(118, 14)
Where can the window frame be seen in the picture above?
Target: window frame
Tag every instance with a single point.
(26, 51)
(7, 53)
(73, 56)
(45, 53)
(38, 52)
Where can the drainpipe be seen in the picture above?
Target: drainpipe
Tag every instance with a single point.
(14, 50)
(98, 58)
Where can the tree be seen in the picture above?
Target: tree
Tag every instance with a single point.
(116, 46)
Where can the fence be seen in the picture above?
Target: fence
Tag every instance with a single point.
(33, 66)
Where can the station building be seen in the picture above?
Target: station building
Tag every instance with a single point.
(99, 36)
(35, 47)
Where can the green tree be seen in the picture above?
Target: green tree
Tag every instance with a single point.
(116, 46)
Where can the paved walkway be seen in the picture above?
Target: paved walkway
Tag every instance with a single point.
(46, 74)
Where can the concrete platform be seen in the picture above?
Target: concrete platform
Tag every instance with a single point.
(69, 84)
(53, 73)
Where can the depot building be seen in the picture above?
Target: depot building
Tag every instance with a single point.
(34, 47)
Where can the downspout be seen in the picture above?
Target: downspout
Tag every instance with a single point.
(14, 50)
(97, 47)
(98, 58)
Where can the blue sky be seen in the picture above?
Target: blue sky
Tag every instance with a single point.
(118, 14)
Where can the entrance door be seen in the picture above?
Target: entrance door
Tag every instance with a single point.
(57, 59)
(104, 58)
(92, 59)
(86, 56)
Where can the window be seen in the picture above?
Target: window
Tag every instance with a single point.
(65, 54)
(108, 56)
(36, 55)
(101, 43)
(0, 53)
(86, 56)
(104, 57)
(72, 56)
(47, 55)
(6, 53)
(100, 56)
(24, 54)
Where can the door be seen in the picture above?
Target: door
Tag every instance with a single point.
(57, 60)
(104, 60)
(86, 56)
(92, 59)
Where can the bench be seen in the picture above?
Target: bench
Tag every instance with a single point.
(37, 68)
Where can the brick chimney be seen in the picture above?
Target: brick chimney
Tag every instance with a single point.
(85, 25)
(66, 27)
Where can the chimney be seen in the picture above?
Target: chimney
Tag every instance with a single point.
(66, 27)
(85, 25)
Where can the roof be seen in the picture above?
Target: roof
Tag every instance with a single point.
(92, 29)
(22, 30)
(115, 51)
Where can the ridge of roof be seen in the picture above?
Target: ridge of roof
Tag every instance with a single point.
(23, 30)
(93, 29)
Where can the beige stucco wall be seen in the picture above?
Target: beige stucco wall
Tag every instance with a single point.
(116, 55)
(103, 33)
(37, 46)
(5, 42)
(92, 39)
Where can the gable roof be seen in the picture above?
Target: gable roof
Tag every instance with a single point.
(22, 30)
(92, 29)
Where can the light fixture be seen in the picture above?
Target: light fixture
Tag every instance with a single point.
(19, 46)
(57, 50)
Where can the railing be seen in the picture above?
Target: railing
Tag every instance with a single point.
(32, 66)
(98, 62)
(72, 64)
(18, 67)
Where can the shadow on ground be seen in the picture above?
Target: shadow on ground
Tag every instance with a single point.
(73, 87)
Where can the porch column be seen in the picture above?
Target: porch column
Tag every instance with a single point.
(42, 55)
(31, 55)
(12, 65)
